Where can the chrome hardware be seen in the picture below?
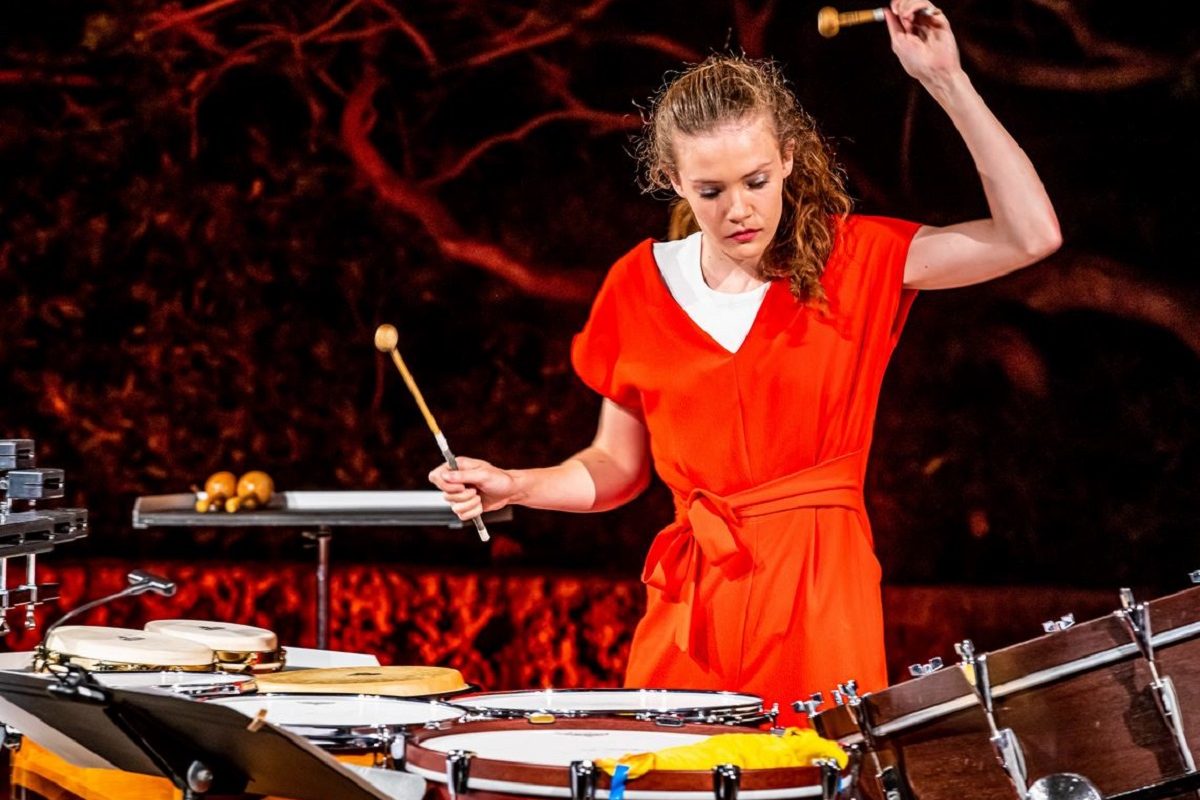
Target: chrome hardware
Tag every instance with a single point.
(199, 778)
(727, 778)
(1136, 617)
(458, 772)
(10, 738)
(1194, 576)
(583, 780)
(809, 707)
(1004, 741)
(966, 651)
(1060, 624)
(928, 668)
(830, 777)
(1064, 786)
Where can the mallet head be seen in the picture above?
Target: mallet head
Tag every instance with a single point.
(386, 338)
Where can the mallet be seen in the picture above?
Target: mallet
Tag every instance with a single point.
(386, 339)
(830, 20)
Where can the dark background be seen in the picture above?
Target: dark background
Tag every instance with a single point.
(207, 209)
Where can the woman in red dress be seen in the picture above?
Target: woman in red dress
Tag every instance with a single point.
(752, 386)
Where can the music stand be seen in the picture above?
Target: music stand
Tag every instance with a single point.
(202, 748)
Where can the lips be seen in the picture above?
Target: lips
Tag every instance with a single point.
(744, 236)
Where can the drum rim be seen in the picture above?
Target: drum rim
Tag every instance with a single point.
(336, 731)
(432, 763)
(746, 711)
(467, 688)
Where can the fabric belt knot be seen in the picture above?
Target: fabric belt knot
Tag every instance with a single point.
(707, 527)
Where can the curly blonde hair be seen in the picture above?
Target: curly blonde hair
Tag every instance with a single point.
(727, 89)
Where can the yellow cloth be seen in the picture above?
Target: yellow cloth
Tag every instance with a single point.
(797, 747)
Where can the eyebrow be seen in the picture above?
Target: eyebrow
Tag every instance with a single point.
(760, 168)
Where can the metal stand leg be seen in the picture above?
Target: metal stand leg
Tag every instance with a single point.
(324, 536)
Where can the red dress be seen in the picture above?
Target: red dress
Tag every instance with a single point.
(767, 581)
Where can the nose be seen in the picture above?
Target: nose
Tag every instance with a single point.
(739, 205)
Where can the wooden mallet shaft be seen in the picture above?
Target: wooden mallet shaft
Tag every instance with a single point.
(386, 339)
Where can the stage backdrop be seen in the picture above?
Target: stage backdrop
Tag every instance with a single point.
(208, 207)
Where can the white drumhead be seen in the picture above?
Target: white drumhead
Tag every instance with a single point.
(127, 646)
(218, 635)
(187, 683)
(559, 747)
(608, 700)
(340, 711)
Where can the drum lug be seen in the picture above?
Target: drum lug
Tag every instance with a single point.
(398, 750)
(809, 707)
(889, 781)
(391, 754)
(458, 771)
(583, 780)
(727, 778)
(830, 776)
(669, 721)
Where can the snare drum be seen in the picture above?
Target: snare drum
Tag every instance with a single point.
(427, 682)
(513, 758)
(239, 648)
(188, 684)
(344, 724)
(661, 705)
(103, 649)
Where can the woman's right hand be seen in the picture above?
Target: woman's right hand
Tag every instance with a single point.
(475, 487)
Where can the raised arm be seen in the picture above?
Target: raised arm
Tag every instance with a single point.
(612, 471)
(1022, 228)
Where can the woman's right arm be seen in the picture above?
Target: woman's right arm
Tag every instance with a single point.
(612, 471)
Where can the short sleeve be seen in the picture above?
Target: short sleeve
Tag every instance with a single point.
(880, 245)
(599, 350)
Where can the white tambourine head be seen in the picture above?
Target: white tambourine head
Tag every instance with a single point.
(227, 636)
(127, 646)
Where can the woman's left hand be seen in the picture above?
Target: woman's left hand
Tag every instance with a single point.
(923, 41)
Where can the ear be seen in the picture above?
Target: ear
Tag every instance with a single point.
(789, 150)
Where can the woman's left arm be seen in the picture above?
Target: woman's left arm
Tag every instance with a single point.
(1023, 227)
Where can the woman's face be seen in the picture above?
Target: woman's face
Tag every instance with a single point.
(732, 177)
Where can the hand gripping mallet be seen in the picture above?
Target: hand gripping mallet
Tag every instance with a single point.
(386, 339)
